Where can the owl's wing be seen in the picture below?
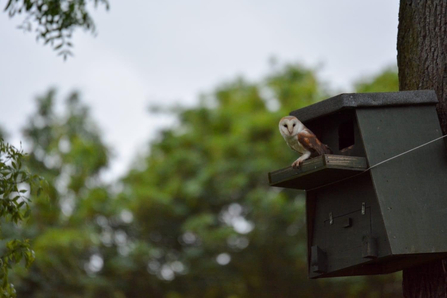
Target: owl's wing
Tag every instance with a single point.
(309, 141)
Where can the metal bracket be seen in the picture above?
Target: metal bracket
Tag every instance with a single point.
(318, 260)
(347, 222)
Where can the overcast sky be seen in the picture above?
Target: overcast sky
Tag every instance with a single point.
(169, 51)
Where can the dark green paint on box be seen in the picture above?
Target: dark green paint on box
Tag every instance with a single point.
(386, 219)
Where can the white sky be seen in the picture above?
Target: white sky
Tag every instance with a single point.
(168, 52)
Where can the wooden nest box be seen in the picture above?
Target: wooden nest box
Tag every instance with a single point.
(384, 219)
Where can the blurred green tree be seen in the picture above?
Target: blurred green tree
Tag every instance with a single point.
(385, 81)
(66, 149)
(54, 20)
(195, 216)
(206, 221)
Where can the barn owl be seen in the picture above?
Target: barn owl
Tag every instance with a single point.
(301, 139)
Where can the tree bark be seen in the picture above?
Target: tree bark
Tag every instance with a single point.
(422, 49)
(422, 63)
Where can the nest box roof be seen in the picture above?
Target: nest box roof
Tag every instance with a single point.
(365, 100)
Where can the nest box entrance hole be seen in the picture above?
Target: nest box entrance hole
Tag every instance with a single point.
(346, 139)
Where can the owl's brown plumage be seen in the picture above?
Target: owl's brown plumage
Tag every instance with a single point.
(310, 142)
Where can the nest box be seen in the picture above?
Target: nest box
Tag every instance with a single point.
(384, 219)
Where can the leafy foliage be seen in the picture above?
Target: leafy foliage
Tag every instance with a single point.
(213, 226)
(55, 20)
(67, 150)
(16, 184)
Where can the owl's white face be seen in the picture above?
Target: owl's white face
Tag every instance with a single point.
(290, 126)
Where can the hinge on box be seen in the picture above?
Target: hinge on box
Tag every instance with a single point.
(369, 247)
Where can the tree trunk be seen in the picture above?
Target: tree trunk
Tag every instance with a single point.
(422, 49)
(422, 63)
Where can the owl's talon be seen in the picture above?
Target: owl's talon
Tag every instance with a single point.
(296, 164)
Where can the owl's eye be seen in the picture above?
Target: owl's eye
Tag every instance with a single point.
(293, 124)
(285, 125)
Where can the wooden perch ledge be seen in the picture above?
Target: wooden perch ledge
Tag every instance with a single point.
(318, 171)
